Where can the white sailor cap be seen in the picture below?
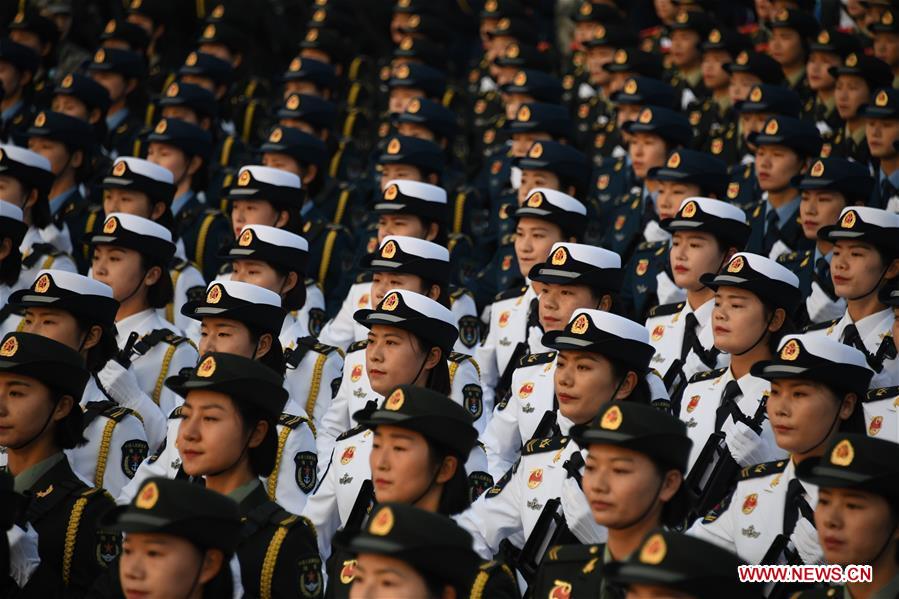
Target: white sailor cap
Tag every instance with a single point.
(817, 358)
(137, 233)
(724, 221)
(63, 290)
(141, 175)
(878, 227)
(410, 255)
(401, 196)
(616, 337)
(256, 182)
(416, 313)
(25, 157)
(775, 284)
(556, 207)
(244, 302)
(272, 245)
(580, 264)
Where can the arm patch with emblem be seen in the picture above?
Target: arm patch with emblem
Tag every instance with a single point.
(306, 466)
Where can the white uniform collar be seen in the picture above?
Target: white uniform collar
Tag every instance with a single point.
(141, 323)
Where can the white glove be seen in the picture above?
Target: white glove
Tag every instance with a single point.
(119, 382)
(805, 540)
(23, 556)
(578, 515)
(821, 307)
(745, 445)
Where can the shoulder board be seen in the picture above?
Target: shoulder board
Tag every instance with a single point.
(574, 553)
(176, 413)
(510, 293)
(291, 421)
(533, 359)
(457, 292)
(458, 357)
(353, 431)
(357, 346)
(651, 245)
(764, 469)
(117, 413)
(708, 374)
(323, 348)
(666, 309)
(651, 31)
(535, 446)
(881, 393)
(817, 326)
(181, 265)
(364, 277)
(95, 493)
(792, 257)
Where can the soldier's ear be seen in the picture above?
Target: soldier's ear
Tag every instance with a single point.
(213, 560)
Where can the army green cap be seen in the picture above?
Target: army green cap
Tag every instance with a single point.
(430, 413)
(432, 543)
(856, 461)
(241, 378)
(52, 363)
(639, 427)
(208, 519)
(683, 563)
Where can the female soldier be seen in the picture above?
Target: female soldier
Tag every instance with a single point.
(573, 276)
(754, 298)
(880, 405)
(144, 188)
(856, 515)
(633, 479)
(275, 260)
(25, 182)
(545, 218)
(409, 336)
(602, 357)
(227, 435)
(179, 538)
(409, 209)
(12, 231)
(865, 259)
(706, 233)
(405, 552)
(40, 380)
(671, 564)
(415, 265)
(815, 387)
(421, 440)
(273, 197)
(829, 186)
(79, 312)
(131, 254)
(647, 277)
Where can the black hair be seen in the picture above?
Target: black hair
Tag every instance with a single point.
(222, 584)
(162, 292)
(455, 497)
(274, 357)
(69, 432)
(675, 510)
(11, 266)
(641, 392)
(104, 350)
(787, 328)
(296, 297)
(262, 457)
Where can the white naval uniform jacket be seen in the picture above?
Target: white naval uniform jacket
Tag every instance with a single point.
(876, 332)
(293, 478)
(515, 421)
(160, 362)
(700, 402)
(879, 408)
(116, 444)
(511, 508)
(346, 468)
(342, 331)
(508, 326)
(313, 381)
(188, 284)
(748, 522)
(355, 392)
(45, 260)
(666, 334)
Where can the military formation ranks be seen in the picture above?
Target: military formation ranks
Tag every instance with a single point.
(439, 298)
